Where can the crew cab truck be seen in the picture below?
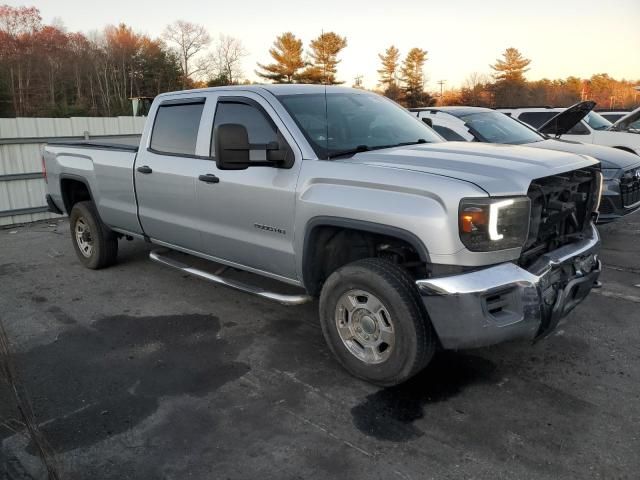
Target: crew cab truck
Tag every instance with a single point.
(409, 242)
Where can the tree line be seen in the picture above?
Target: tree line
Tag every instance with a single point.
(508, 86)
(47, 71)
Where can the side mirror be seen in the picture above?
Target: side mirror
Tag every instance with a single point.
(232, 147)
(428, 121)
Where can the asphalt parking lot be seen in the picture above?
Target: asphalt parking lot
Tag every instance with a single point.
(139, 371)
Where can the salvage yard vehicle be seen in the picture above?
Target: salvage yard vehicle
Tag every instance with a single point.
(410, 243)
(621, 170)
(578, 123)
(612, 115)
(628, 123)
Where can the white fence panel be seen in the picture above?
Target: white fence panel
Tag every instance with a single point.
(22, 188)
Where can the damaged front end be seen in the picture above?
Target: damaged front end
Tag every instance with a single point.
(526, 298)
(563, 208)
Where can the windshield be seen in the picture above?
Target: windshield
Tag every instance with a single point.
(495, 127)
(597, 121)
(339, 124)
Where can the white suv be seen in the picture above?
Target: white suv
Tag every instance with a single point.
(576, 123)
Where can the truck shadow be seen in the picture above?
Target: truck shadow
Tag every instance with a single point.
(92, 383)
(390, 413)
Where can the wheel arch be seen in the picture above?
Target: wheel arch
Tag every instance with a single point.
(74, 189)
(326, 228)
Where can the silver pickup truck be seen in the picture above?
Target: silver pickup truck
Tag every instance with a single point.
(410, 243)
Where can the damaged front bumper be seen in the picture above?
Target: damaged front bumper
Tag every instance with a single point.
(507, 302)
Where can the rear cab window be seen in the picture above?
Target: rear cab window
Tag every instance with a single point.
(176, 125)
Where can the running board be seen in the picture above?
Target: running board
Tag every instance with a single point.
(157, 256)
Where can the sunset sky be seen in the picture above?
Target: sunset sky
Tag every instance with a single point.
(562, 37)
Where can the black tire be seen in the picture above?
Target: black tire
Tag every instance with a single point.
(103, 241)
(414, 340)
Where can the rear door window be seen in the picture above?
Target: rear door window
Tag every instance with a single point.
(175, 130)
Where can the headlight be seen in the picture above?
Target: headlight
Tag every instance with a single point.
(488, 224)
(598, 193)
(609, 173)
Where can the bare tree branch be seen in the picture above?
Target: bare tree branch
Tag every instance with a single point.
(189, 39)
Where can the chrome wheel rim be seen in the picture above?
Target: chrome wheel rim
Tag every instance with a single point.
(365, 326)
(84, 239)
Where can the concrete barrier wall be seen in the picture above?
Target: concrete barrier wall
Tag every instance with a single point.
(22, 187)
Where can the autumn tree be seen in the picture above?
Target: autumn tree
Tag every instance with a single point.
(412, 75)
(46, 71)
(324, 60)
(18, 28)
(288, 62)
(189, 39)
(388, 73)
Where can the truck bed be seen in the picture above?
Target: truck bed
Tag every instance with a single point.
(106, 169)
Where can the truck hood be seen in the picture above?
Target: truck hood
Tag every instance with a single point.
(567, 119)
(609, 157)
(497, 169)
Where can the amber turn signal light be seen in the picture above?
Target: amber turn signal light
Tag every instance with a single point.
(471, 218)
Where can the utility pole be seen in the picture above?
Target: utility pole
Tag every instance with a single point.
(357, 81)
(441, 83)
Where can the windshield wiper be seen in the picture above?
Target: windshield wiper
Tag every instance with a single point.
(367, 148)
(353, 151)
(420, 140)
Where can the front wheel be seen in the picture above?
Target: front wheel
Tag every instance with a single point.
(374, 322)
(96, 246)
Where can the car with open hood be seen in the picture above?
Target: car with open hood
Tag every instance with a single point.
(621, 170)
(579, 123)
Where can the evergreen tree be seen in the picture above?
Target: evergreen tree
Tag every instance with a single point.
(287, 55)
(412, 71)
(388, 73)
(510, 88)
(512, 66)
(324, 59)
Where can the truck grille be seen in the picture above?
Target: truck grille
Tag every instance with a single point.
(561, 211)
(630, 188)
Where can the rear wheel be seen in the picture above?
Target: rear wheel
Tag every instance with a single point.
(96, 246)
(374, 322)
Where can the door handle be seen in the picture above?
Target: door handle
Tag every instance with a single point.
(209, 178)
(144, 169)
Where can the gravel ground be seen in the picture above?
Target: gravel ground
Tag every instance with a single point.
(140, 372)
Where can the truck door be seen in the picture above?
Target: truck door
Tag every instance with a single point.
(248, 215)
(166, 172)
